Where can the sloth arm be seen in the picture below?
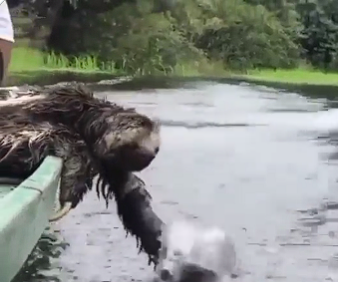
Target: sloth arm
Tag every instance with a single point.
(77, 171)
(134, 209)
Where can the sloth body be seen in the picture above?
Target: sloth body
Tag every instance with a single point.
(93, 137)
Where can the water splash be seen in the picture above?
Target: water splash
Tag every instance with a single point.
(196, 253)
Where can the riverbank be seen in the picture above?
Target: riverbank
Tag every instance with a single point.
(294, 76)
(45, 76)
(52, 76)
(31, 66)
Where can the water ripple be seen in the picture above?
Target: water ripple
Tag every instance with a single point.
(196, 125)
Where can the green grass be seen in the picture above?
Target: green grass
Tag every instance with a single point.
(303, 75)
(294, 76)
(28, 59)
(28, 63)
(24, 59)
(32, 66)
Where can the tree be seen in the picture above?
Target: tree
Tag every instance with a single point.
(156, 35)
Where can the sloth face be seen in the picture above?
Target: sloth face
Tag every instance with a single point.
(131, 143)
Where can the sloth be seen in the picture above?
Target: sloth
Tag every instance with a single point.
(93, 137)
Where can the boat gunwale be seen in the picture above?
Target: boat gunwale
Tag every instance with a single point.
(24, 215)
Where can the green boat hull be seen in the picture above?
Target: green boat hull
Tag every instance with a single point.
(25, 210)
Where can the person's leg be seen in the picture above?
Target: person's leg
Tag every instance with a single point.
(6, 40)
(5, 58)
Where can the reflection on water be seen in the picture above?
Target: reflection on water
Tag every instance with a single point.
(40, 266)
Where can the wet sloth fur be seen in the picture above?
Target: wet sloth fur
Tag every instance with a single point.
(93, 137)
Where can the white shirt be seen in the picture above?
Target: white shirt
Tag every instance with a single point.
(6, 26)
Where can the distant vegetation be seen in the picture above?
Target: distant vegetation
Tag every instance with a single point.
(26, 59)
(183, 36)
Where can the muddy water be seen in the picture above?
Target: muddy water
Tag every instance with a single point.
(245, 158)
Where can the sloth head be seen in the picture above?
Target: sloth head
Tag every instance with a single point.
(130, 142)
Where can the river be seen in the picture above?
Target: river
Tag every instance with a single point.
(243, 157)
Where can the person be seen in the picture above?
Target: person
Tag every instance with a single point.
(6, 40)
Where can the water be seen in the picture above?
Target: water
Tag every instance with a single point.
(203, 251)
(240, 157)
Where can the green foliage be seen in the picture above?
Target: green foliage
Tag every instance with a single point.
(151, 44)
(245, 36)
(319, 36)
(151, 37)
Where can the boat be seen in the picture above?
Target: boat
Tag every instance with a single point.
(25, 207)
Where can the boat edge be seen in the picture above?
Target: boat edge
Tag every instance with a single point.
(24, 216)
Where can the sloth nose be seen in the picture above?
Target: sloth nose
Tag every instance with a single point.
(165, 275)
